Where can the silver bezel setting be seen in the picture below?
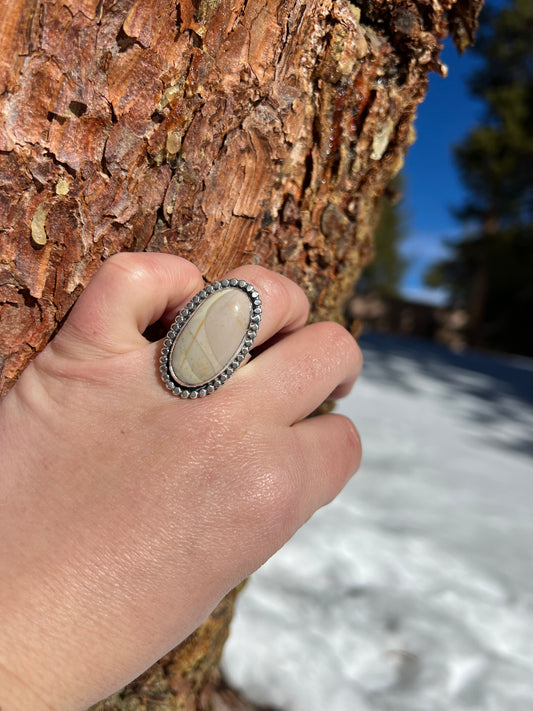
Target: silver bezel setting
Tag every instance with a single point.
(167, 375)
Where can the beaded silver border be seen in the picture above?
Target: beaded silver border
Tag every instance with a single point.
(182, 319)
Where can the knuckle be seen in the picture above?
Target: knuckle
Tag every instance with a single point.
(349, 448)
(272, 284)
(282, 512)
(289, 292)
(253, 273)
(258, 270)
(350, 437)
(293, 291)
(337, 337)
(120, 260)
(128, 266)
(271, 498)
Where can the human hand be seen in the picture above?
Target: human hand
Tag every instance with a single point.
(127, 513)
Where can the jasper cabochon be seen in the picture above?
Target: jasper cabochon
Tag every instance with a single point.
(211, 338)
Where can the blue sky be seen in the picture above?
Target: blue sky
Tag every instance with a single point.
(432, 183)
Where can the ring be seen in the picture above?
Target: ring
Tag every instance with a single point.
(210, 338)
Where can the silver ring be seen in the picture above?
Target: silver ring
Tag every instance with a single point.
(210, 338)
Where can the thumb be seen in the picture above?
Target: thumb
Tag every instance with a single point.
(128, 293)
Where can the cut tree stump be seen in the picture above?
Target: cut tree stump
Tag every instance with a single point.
(228, 132)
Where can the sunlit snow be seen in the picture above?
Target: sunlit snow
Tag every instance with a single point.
(413, 591)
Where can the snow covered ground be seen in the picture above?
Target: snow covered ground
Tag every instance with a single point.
(413, 591)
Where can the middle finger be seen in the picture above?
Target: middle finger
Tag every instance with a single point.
(291, 378)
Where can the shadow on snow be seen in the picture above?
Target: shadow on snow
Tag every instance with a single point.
(500, 387)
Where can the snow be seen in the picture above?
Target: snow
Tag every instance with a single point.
(412, 591)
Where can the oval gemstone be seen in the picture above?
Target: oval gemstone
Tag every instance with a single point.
(211, 338)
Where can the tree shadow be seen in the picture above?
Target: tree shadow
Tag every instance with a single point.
(499, 388)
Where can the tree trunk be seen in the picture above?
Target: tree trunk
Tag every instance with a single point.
(226, 131)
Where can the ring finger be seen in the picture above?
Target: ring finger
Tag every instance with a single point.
(293, 377)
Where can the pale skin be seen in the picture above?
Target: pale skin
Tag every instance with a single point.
(127, 513)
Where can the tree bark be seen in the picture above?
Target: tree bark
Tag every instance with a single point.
(226, 131)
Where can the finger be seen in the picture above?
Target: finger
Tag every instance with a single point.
(293, 377)
(309, 465)
(285, 307)
(128, 293)
(329, 448)
(284, 303)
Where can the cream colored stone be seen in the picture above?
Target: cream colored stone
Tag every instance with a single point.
(212, 337)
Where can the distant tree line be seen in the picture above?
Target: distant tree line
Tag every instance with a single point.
(490, 270)
(385, 272)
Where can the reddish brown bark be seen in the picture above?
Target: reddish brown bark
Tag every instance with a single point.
(226, 131)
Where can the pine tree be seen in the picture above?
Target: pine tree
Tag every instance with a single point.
(491, 268)
(384, 274)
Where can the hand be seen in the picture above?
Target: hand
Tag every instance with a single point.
(127, 513)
